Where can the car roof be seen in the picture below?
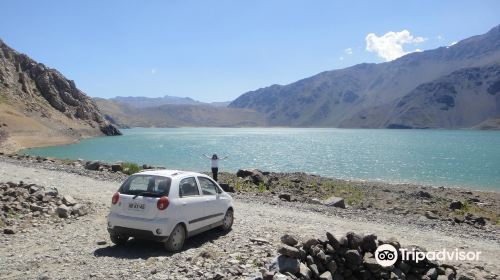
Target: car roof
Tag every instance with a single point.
(169, 173)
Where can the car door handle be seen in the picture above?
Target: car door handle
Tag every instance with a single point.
(184, 204)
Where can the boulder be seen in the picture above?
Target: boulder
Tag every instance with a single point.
(93, 165)
(256, 176)
(285, 196)
(242, 173)
(68, 200)
(289, 251)
(304, 272)
(456, 204)
(227, 188)
(327, 275)
(284, 264)
(430, 215)
(63, 211)
(335, 202)
(9, 231)
(289, 240)
(79, 210)
(353, 258)
(116, 167)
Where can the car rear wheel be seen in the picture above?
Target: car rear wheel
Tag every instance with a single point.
(176, 239)
(227, 223)
(118, 239)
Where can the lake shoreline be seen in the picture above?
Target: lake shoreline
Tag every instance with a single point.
(477, 208)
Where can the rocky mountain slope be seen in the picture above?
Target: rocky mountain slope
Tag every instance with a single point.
(145, 102)
(176, 115)
(367, 95)
(39, 106)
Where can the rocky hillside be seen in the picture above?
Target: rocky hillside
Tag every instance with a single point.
(175, 115)
(145, 102)
(39, 106)
(367, 95)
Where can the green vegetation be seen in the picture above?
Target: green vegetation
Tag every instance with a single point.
(475, 210)
(262, 187)
(130, 168)
(351, 194)
(3, 98)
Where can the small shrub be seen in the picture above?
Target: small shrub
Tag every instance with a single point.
(130, 168)
(262, 187)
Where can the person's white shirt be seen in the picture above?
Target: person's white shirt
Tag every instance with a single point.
(215, 163)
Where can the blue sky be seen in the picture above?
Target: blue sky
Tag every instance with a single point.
(217, 50)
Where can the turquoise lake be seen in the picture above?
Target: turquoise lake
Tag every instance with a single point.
(432, 157)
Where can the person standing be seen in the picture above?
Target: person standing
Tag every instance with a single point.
(215, 165)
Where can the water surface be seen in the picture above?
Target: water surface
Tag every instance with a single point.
(433, 157)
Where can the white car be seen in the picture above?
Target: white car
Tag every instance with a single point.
(168, 206)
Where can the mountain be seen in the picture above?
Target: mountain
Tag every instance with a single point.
(144, 102)
(39, 106)
(368, 95)
(178, 115)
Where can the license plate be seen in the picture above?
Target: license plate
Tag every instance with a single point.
(137, 206)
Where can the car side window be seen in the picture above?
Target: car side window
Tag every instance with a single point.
(207, 186)
(188, 187)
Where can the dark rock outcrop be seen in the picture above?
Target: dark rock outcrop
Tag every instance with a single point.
(37, 88)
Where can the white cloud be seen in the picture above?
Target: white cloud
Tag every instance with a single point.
(439, 37)
(153, 71)
(390, 45)
(341, 58)
(348, 51)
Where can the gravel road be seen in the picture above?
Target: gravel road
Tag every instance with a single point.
(69, 250)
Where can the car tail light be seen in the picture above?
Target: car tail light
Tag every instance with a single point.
(162, 203)
(115, 198)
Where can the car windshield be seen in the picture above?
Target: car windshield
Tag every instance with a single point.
(146, 185)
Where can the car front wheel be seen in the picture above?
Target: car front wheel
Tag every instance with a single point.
(227, 223)
(176, 239)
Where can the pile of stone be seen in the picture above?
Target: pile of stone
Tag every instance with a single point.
(349, 257)
(21, 202)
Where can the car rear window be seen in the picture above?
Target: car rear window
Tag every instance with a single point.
(146, 185)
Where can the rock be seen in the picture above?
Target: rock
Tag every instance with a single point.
(79, 210)
(93, 165)
(327, 275)
(371, 264)
(68, 200)
(423, 194)
(354, 240)
(304, 272)
(110, 130)
(116, 167)
(63, 211)
(353, 258)
(289, 240)
(289, 251)
(227, 188)
(242, 173)
(310, 242)
(456, 205)
(285, 196)
(332, 267)
(432, 273)
(314, 269)
(9, 231)
(369, 243)
(333, 241)
(430, 215)
(284, 264)
(335, 202)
